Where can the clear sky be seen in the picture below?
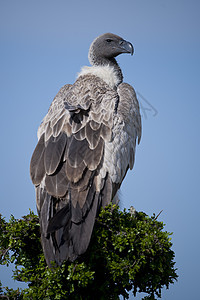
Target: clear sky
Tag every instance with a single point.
(43, 46)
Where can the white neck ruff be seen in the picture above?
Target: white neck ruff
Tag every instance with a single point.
(106, 73)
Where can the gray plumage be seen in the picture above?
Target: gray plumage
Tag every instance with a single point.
(86, 145)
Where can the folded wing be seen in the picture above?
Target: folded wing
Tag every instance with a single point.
(66, 163)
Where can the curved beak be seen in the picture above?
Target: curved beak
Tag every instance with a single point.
(127, 47)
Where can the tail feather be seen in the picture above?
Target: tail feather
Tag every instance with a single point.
(66, 233)
(59, 220)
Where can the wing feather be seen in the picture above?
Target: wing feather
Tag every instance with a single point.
(76, 152)
(57, 128)
(92, 136)
(74, 174)
(93, 157)
(106, 132)
(94, 125)
(37, 169)
(57, 184)
(53, 152)
(81, 134)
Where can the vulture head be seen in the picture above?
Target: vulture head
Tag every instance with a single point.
(106, 47)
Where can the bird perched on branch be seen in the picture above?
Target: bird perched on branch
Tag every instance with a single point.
(86, 144)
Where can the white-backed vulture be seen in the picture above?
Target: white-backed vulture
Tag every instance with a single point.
(86, 145)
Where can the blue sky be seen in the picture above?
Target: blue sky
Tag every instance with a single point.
(43, 46)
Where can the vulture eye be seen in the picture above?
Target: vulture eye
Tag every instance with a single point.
(108, 40)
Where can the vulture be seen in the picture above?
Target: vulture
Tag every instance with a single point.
(86, 144)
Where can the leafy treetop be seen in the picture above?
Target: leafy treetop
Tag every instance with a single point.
(128, 251)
